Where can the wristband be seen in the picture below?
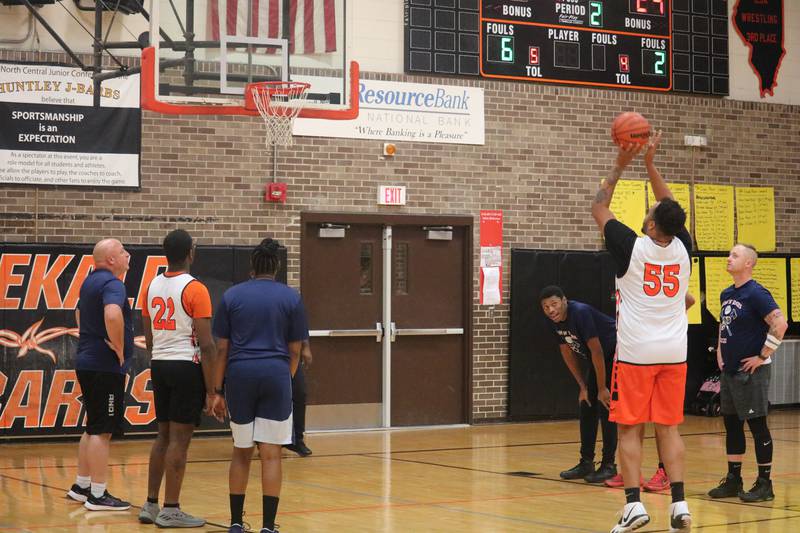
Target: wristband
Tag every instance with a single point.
(772, 342)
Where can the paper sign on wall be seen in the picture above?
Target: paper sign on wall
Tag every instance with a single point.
(491, 275)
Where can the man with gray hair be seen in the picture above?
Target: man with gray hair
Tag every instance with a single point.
(751, 327)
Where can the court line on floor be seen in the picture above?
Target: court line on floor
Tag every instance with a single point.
(727, 524)
(421, 450)
(577, 483)
(63, 491)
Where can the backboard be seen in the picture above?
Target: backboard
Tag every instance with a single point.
(208, 50)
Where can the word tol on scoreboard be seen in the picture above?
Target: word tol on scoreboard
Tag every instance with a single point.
(605, 43)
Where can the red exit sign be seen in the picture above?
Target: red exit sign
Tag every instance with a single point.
(391, 195)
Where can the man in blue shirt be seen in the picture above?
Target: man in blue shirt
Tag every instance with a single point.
(751, 327)
(260, 326)
(105, 344)
(584, 332)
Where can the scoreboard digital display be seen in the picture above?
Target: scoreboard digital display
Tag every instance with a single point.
(611, 43)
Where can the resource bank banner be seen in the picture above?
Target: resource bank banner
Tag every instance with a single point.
(396, 111)
(39, 288)
(53, 135)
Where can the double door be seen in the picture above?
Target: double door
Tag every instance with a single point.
(389, 314)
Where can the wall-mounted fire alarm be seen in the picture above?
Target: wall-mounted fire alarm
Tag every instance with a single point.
(276, 192)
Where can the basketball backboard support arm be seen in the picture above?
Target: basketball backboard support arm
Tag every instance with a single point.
(151, 102)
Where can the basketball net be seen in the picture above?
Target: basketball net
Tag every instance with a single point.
(279, 103)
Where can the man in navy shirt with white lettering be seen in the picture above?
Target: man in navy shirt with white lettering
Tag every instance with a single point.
(583, 331)
(105, 344)
(751, 327)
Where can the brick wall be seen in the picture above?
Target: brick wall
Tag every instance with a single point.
(546, 149)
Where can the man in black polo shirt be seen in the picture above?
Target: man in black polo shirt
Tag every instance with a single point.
(104, 345)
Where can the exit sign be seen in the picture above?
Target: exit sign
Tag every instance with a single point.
(391, 195)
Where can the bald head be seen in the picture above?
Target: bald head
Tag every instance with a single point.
(741, 259)
(109, 254)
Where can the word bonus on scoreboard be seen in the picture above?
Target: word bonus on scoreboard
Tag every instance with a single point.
(607, 43)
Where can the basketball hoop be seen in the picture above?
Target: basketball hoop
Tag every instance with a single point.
(279, 103)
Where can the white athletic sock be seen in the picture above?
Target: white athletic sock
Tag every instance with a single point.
(98, 489)
(83, 481)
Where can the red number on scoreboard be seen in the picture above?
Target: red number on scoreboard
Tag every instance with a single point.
(640, 8)
(624, 63)
(533, 55)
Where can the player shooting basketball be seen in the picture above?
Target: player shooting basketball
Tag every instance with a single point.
(649, 374)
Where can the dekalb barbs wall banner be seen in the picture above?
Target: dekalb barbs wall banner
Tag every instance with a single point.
(52, 134)
(39, 288)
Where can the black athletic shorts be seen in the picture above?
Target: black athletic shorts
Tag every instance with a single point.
(179, 391)
(103, 397)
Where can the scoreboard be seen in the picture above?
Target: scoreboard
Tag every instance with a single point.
(652, 45)
(584, 42)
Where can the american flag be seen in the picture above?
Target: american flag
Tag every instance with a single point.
(312, 23)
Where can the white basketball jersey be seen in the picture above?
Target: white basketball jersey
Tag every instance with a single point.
(173, 332)
(651, 308)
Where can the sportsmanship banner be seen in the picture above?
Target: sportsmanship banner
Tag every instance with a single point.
(39, 288)
(53, 135)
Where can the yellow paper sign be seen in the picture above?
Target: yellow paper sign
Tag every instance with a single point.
(717, 280)
(628, 203)
(695, 314)
(713, 209)
(682, 194)
(794, 270)
(755, 217)
(771, 273)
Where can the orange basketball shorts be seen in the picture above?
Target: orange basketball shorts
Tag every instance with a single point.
(647, 393)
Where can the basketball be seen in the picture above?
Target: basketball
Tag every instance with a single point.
(630, 127)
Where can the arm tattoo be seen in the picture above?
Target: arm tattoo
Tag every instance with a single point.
(773, 320)
(601, 196)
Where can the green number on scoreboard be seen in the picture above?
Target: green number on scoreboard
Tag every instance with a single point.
(507, 49)
(596, 17)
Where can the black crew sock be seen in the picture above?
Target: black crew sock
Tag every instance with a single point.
(735, 468)
(269, 505)
(152, 500)
(677, 491)
(661, 465)
(764, 471)
(632, 495)
(237, 508)
(167, 505)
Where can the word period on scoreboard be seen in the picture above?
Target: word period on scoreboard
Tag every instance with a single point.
(605, 43)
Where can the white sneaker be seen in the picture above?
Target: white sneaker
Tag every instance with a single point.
(679, 517)
(632, 517)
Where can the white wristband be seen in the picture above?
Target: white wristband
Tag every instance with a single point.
(772, 342)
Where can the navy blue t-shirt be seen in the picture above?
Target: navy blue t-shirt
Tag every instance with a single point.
(99, 289)
(260, 317)
(741, 319)
(584, 322)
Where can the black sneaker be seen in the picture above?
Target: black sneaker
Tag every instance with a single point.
(729, 486)
(78, 494)
(106, 502)
(299, 448)
(604, 471)
(761, 492)
(579, 471)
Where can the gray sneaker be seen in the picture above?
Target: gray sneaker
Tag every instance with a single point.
(149, 513)
(174, 517)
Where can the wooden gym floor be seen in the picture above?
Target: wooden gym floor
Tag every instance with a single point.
(448, 479)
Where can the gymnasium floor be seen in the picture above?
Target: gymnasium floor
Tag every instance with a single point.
(449, 479)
